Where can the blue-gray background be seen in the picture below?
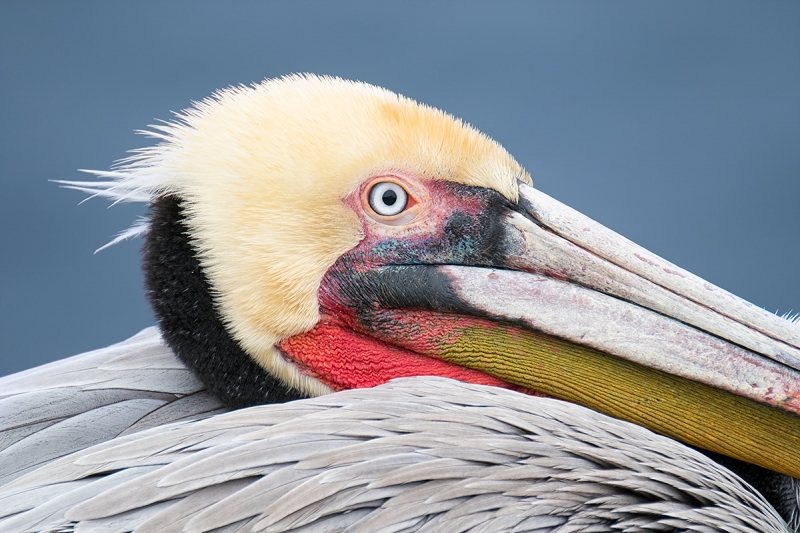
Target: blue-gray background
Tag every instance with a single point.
(674, 123)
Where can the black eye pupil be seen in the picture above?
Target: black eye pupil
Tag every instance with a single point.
(389, 197)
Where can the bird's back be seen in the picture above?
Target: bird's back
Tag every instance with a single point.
(419, 454)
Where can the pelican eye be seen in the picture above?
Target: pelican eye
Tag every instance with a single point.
(387, 198)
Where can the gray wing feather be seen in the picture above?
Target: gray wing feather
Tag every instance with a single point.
(26, 500)
(51, 514)
(75, 433)
(174, 518)
(108, 366)
(121, 523)
(53, 410)
(421, 454)
(198, 404)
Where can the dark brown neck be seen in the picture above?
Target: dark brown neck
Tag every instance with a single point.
(179, 294)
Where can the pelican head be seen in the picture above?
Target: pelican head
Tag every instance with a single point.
(311, 234)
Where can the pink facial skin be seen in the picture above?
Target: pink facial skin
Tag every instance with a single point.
(442, 223)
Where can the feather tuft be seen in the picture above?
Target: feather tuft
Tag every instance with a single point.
(138, 229)
(792, 316)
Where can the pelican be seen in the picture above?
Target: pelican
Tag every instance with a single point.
(311, 237)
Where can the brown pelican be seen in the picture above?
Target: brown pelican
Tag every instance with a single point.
(310, 235)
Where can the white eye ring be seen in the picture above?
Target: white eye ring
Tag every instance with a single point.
(387, 198)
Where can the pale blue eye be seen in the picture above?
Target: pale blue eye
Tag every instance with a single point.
(387, 198)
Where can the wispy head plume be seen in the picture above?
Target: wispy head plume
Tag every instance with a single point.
(137, 178)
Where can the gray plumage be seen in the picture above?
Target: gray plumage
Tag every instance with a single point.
(420, 454)
(55, 409)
